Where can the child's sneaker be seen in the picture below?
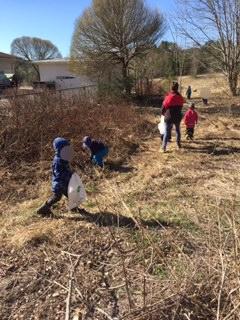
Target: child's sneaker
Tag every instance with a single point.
(162, 150)
(45, 211)
(81, 211)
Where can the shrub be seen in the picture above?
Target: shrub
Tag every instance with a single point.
(31, 123)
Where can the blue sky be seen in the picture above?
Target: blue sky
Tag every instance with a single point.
(51, 20)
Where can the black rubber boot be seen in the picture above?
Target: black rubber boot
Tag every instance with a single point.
(75, 210)
(79, 210)
(45, 211)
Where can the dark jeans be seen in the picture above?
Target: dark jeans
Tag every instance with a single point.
(169, 126)
(169, 138)
(189, 133)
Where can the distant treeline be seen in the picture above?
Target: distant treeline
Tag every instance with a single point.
(169, 60)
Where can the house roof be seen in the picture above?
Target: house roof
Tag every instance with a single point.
(8, 56)
(51, 61)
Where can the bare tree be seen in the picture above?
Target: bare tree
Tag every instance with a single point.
(116, 31)
(32, 49)
(216, 22)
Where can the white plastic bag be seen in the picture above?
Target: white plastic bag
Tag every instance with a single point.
(76, 192)
(162, 126)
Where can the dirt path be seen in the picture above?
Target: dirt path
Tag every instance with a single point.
(157, 181)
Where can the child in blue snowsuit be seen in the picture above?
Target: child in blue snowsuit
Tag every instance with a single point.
(97, 149)
(61, 174)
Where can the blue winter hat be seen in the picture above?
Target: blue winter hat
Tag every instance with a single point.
(87, 142)
(59, 143)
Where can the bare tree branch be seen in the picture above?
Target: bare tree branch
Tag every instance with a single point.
(216, 22)
(117, 30)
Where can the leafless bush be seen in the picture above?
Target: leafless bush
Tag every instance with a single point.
(31, 124)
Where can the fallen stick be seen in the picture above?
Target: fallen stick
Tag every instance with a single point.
(68, 301)
(70, 284)
(104, 313)
(71, 254)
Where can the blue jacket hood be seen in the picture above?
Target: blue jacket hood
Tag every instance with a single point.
(87, 141)
(59, 143)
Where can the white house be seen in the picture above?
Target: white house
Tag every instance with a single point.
(8, 63)
(57, 71)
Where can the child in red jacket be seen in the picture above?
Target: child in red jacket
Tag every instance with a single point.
(190, 120)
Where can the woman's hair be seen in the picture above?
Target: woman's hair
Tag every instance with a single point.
(175, 86)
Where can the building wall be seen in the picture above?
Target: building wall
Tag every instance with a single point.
(58, 72)
(7, 65)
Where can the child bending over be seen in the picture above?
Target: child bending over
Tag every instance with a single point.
(97, 149)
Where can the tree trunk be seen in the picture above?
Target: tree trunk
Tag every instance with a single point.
(233, 83)
(125, 79)
(36, 69)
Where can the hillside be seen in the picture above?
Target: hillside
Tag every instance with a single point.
(215, 82)
(159, 237)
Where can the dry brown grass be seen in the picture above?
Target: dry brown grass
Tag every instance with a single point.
(216, 82)
(28, 126)
(177, 258)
